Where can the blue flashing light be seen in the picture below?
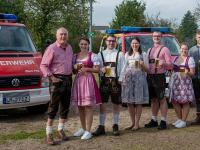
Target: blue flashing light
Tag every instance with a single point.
(112, 31)
(161, 29)
(144, 29)
(8, 17)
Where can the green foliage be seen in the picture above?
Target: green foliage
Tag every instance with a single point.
(197, 12)
(97, 41)
(157, 21)
(43, 17)
(21, 135)
(187, 28)
(13, 6)
(129, 13)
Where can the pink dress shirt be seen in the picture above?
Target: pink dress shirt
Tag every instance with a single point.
(164, 56)
(57, 60)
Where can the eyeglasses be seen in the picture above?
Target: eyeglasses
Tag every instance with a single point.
(135, 43)
(83, 44)
(156, 35)
(111, 41)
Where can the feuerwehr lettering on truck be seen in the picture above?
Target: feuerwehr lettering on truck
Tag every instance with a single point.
(21, 81)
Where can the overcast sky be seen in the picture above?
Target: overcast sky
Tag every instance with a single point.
(103, 10)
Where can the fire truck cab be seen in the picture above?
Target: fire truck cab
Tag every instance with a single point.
(126, 33)
(21, 81)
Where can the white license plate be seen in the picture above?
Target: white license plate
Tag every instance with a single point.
(14, 98)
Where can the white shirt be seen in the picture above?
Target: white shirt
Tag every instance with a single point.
(94, 59)
(191, 63)
(129, 61)
(110, 56)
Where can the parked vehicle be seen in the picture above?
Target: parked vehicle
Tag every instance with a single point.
(126, 33)
(21, 81)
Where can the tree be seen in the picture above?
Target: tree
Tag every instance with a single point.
(197, 12)
(43, 17)
(129, 13)
(187, 28)
(13, 6)
(157, 21)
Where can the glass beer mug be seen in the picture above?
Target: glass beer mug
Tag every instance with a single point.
(108, 71)
(137, 64)
(79, 66)
(157, 60)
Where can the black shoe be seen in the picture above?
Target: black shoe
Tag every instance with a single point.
(99, 131)
(115, 130)
(151, 124)
(196, 121)
(163, 125)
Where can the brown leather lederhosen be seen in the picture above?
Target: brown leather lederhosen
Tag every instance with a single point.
(60, 94)
(109, 86)
(156, 82)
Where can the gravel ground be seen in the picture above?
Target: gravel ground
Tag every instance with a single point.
(144, 139)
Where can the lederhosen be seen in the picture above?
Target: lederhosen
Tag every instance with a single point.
(156, 82)
(109, 86)
(60, 94)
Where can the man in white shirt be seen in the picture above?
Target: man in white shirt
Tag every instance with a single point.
(111, 62)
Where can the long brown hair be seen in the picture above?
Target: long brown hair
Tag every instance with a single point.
(130, 52)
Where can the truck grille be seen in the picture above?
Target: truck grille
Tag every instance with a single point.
(17, 82)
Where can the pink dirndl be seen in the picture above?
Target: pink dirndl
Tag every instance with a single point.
(85, 91)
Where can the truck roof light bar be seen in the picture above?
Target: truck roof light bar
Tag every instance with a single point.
(8, 18)
(144, 29)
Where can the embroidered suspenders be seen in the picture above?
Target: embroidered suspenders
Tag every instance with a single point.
(116, 63)
(153, 60)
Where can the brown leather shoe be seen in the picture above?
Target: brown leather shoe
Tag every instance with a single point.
(129, 128)
(61, 135)
(50, 140)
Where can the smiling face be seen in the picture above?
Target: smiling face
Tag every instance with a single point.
(135, 45)
(156, 37)
(62, 36)
(198, 38)
(110, 42)
(84, 45)
(184, 50)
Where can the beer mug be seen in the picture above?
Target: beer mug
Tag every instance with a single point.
(137, 64)
(182, 72)
(79, 66)
(157, 60)
(108, 71)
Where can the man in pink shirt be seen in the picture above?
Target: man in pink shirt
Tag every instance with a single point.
(159, 58)
(57, 66)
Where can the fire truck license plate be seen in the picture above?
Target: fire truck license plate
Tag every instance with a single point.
(13, 98)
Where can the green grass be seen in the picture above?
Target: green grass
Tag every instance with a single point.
(21, 135)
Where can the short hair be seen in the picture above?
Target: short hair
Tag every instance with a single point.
(198, 32)
(85, 39)
(110, 35)
(157, 31)
(184, 43)
(61, 28)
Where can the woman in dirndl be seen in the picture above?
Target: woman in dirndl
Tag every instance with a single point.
(85, 92)
(134, 83)
(180, 85)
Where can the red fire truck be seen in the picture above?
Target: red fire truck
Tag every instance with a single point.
(126, 33)
(21, 81)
